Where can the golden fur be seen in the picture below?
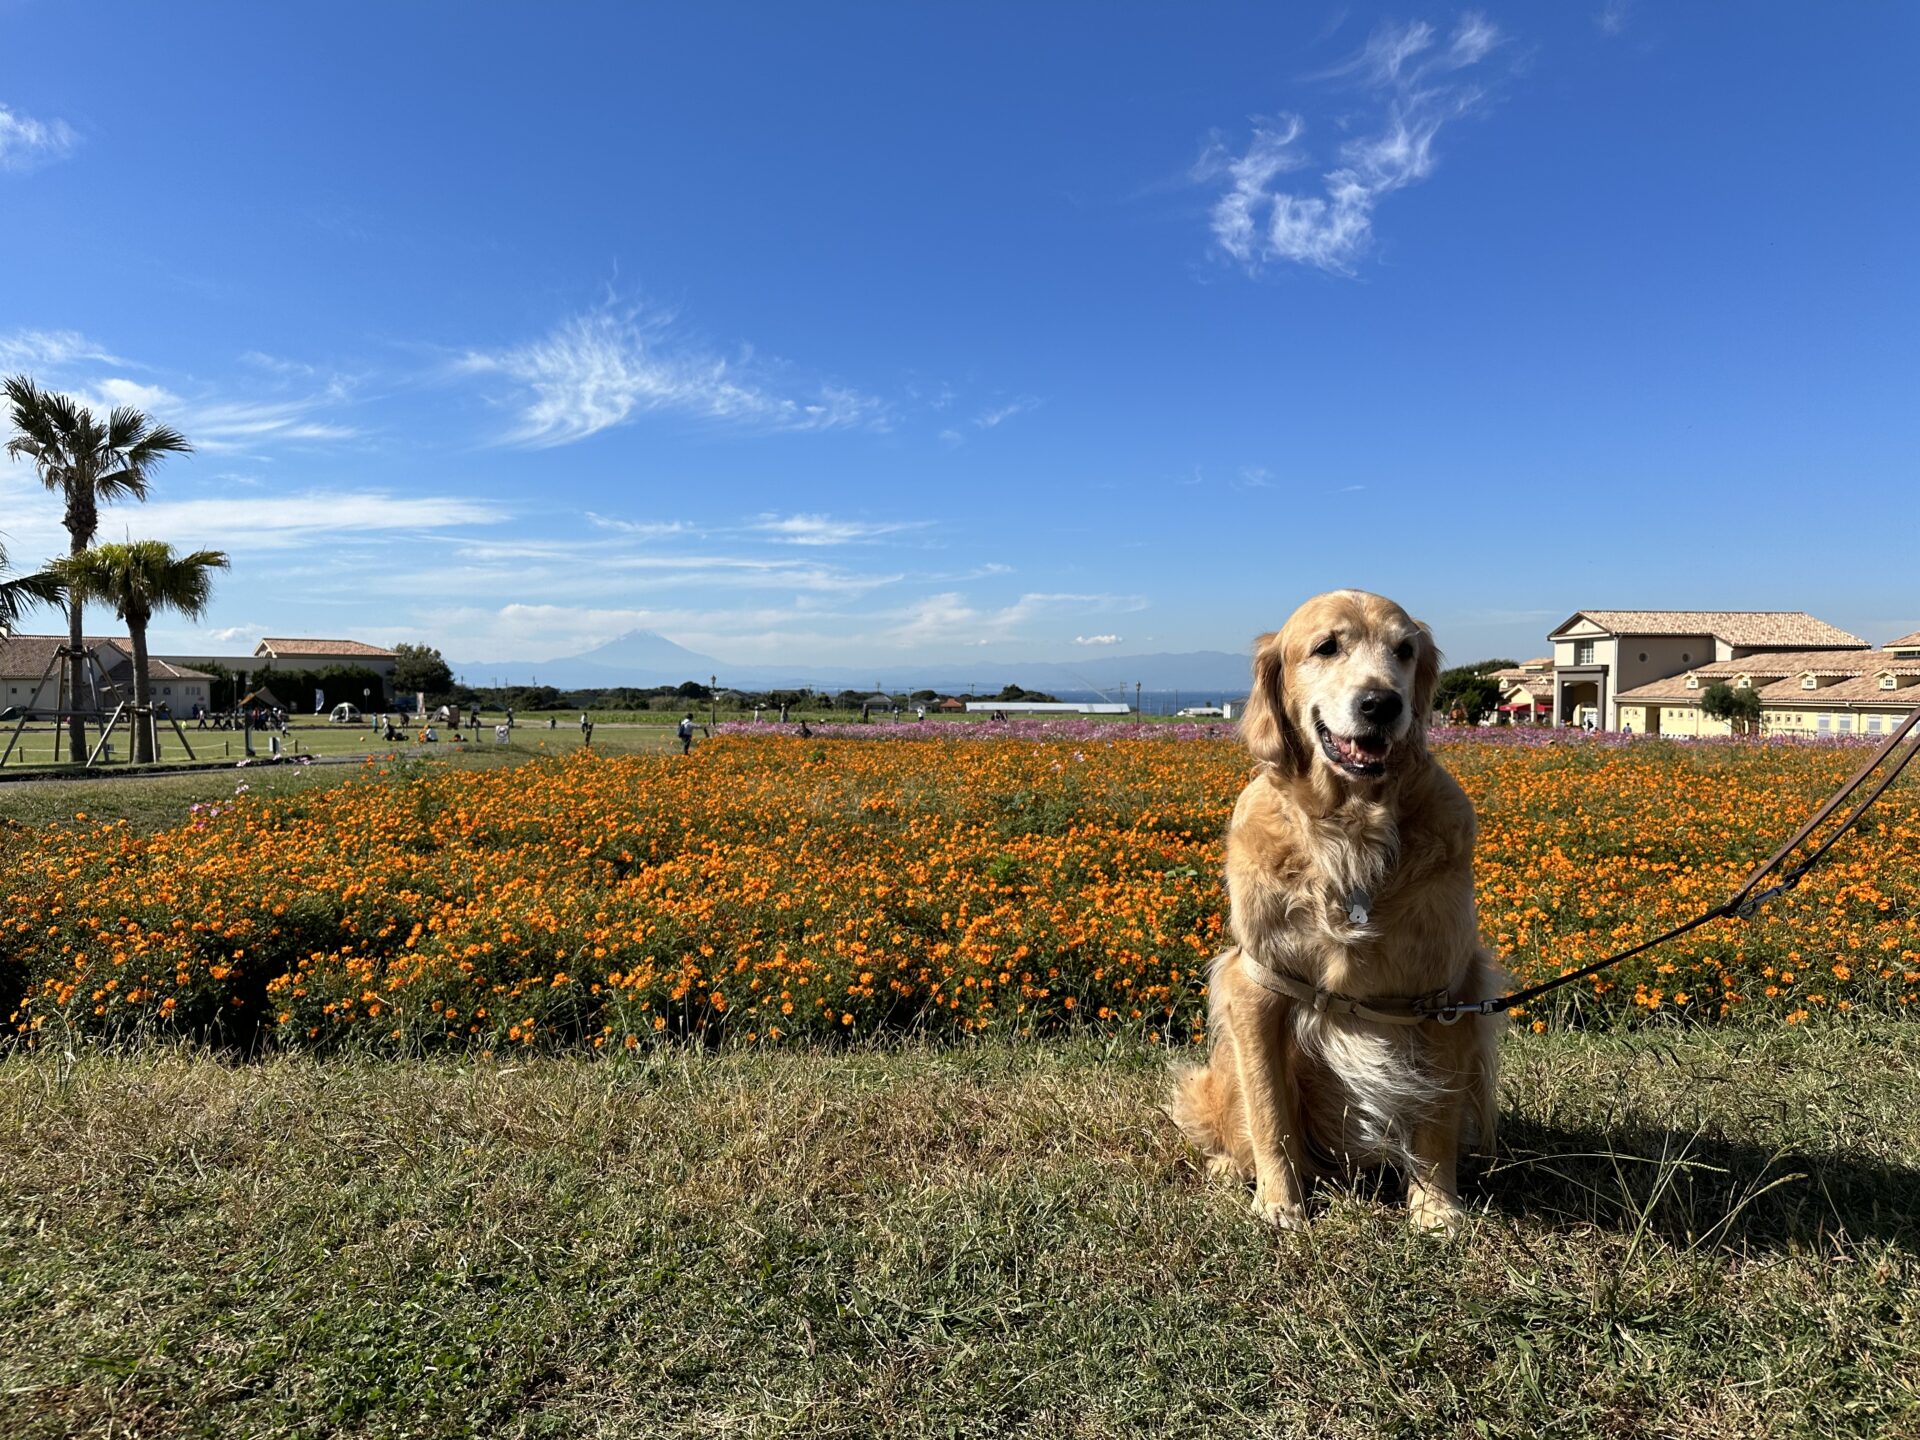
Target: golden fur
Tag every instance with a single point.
(1349, 866)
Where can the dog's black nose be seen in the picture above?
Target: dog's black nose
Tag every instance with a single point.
(1380, 707)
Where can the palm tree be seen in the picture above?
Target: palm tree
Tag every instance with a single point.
(86, 463)
(138, 578)
(22, 592)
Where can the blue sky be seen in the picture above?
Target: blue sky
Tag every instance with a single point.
(841, 333)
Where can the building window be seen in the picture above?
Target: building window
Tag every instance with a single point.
(1583, 652)
(1846, 724)
(1807, 682)
(1693, 682)
(1873, 725)
(1643, 657)
(1886, 682)
(1825, 723)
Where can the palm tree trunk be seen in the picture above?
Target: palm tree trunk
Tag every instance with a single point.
(76, 672)
(143, 722)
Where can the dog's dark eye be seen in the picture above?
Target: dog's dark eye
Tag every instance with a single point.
(1405, 650)
(1328, 646)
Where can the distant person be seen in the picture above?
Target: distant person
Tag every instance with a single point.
(586, 729)
(509, 717)
(686, 735)
(805, 733)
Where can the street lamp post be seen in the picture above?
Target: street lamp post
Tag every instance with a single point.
(713, 701)
(1139, 716)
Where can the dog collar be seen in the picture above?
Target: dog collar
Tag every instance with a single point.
(1390, 1010)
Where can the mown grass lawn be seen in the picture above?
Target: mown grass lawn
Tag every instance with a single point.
(1687, 1232)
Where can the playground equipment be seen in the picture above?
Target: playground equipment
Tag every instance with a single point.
(67, 706)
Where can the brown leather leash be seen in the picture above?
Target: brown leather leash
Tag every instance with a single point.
(1741, 905)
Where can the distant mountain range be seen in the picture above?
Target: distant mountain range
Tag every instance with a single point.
(641, 658)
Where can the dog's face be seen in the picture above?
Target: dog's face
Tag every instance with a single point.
(1346, 683)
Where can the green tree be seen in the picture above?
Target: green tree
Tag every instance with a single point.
(419, 667)
(137, 578)
(86, 464)
(1741, 709)
(1470, 688)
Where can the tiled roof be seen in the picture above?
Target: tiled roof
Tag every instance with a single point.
(1526, 669)
(1779, 675)
(288, 648)
(1863, 687)
(1538, 686)
(1905, 642)
(1824, 663)
(1736, 627)
(25, 657)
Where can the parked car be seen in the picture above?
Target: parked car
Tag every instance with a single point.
(344, 714)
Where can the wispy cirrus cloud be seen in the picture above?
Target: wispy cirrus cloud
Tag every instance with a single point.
(32, 349)
(1263, 216)
(997, 415)
(27, 143)
(643, 529)
(254, 521)
(70, 362)
(611, 365)
(827, 530)
(214, 424)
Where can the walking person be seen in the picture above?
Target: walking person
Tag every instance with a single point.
(686, 735)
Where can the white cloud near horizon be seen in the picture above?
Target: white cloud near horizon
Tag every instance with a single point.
(27, 143)
(949, 618)
(1096, 639)
(1262, 217)
(609, 366)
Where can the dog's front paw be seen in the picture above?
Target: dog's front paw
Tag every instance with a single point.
(1435, 1212)
(1280, 1214)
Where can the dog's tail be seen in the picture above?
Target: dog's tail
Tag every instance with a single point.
(1202, 1108)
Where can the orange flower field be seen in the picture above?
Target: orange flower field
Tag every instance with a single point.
(770, 890)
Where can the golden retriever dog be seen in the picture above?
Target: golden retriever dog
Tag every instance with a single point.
(1350, 874)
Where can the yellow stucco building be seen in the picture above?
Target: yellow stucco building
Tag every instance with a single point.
(1818, 692)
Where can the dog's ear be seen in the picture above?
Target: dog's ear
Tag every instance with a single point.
(1265, 728)
(1426, 676)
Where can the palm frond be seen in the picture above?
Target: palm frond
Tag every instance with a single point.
(22, 592)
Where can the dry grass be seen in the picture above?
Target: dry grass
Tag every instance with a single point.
(1687, 1233)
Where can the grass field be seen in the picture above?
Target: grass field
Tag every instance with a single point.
(331, 741)
(1686, 1233)
(936, 1196)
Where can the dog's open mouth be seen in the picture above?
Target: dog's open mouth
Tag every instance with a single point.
(1361, 754)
